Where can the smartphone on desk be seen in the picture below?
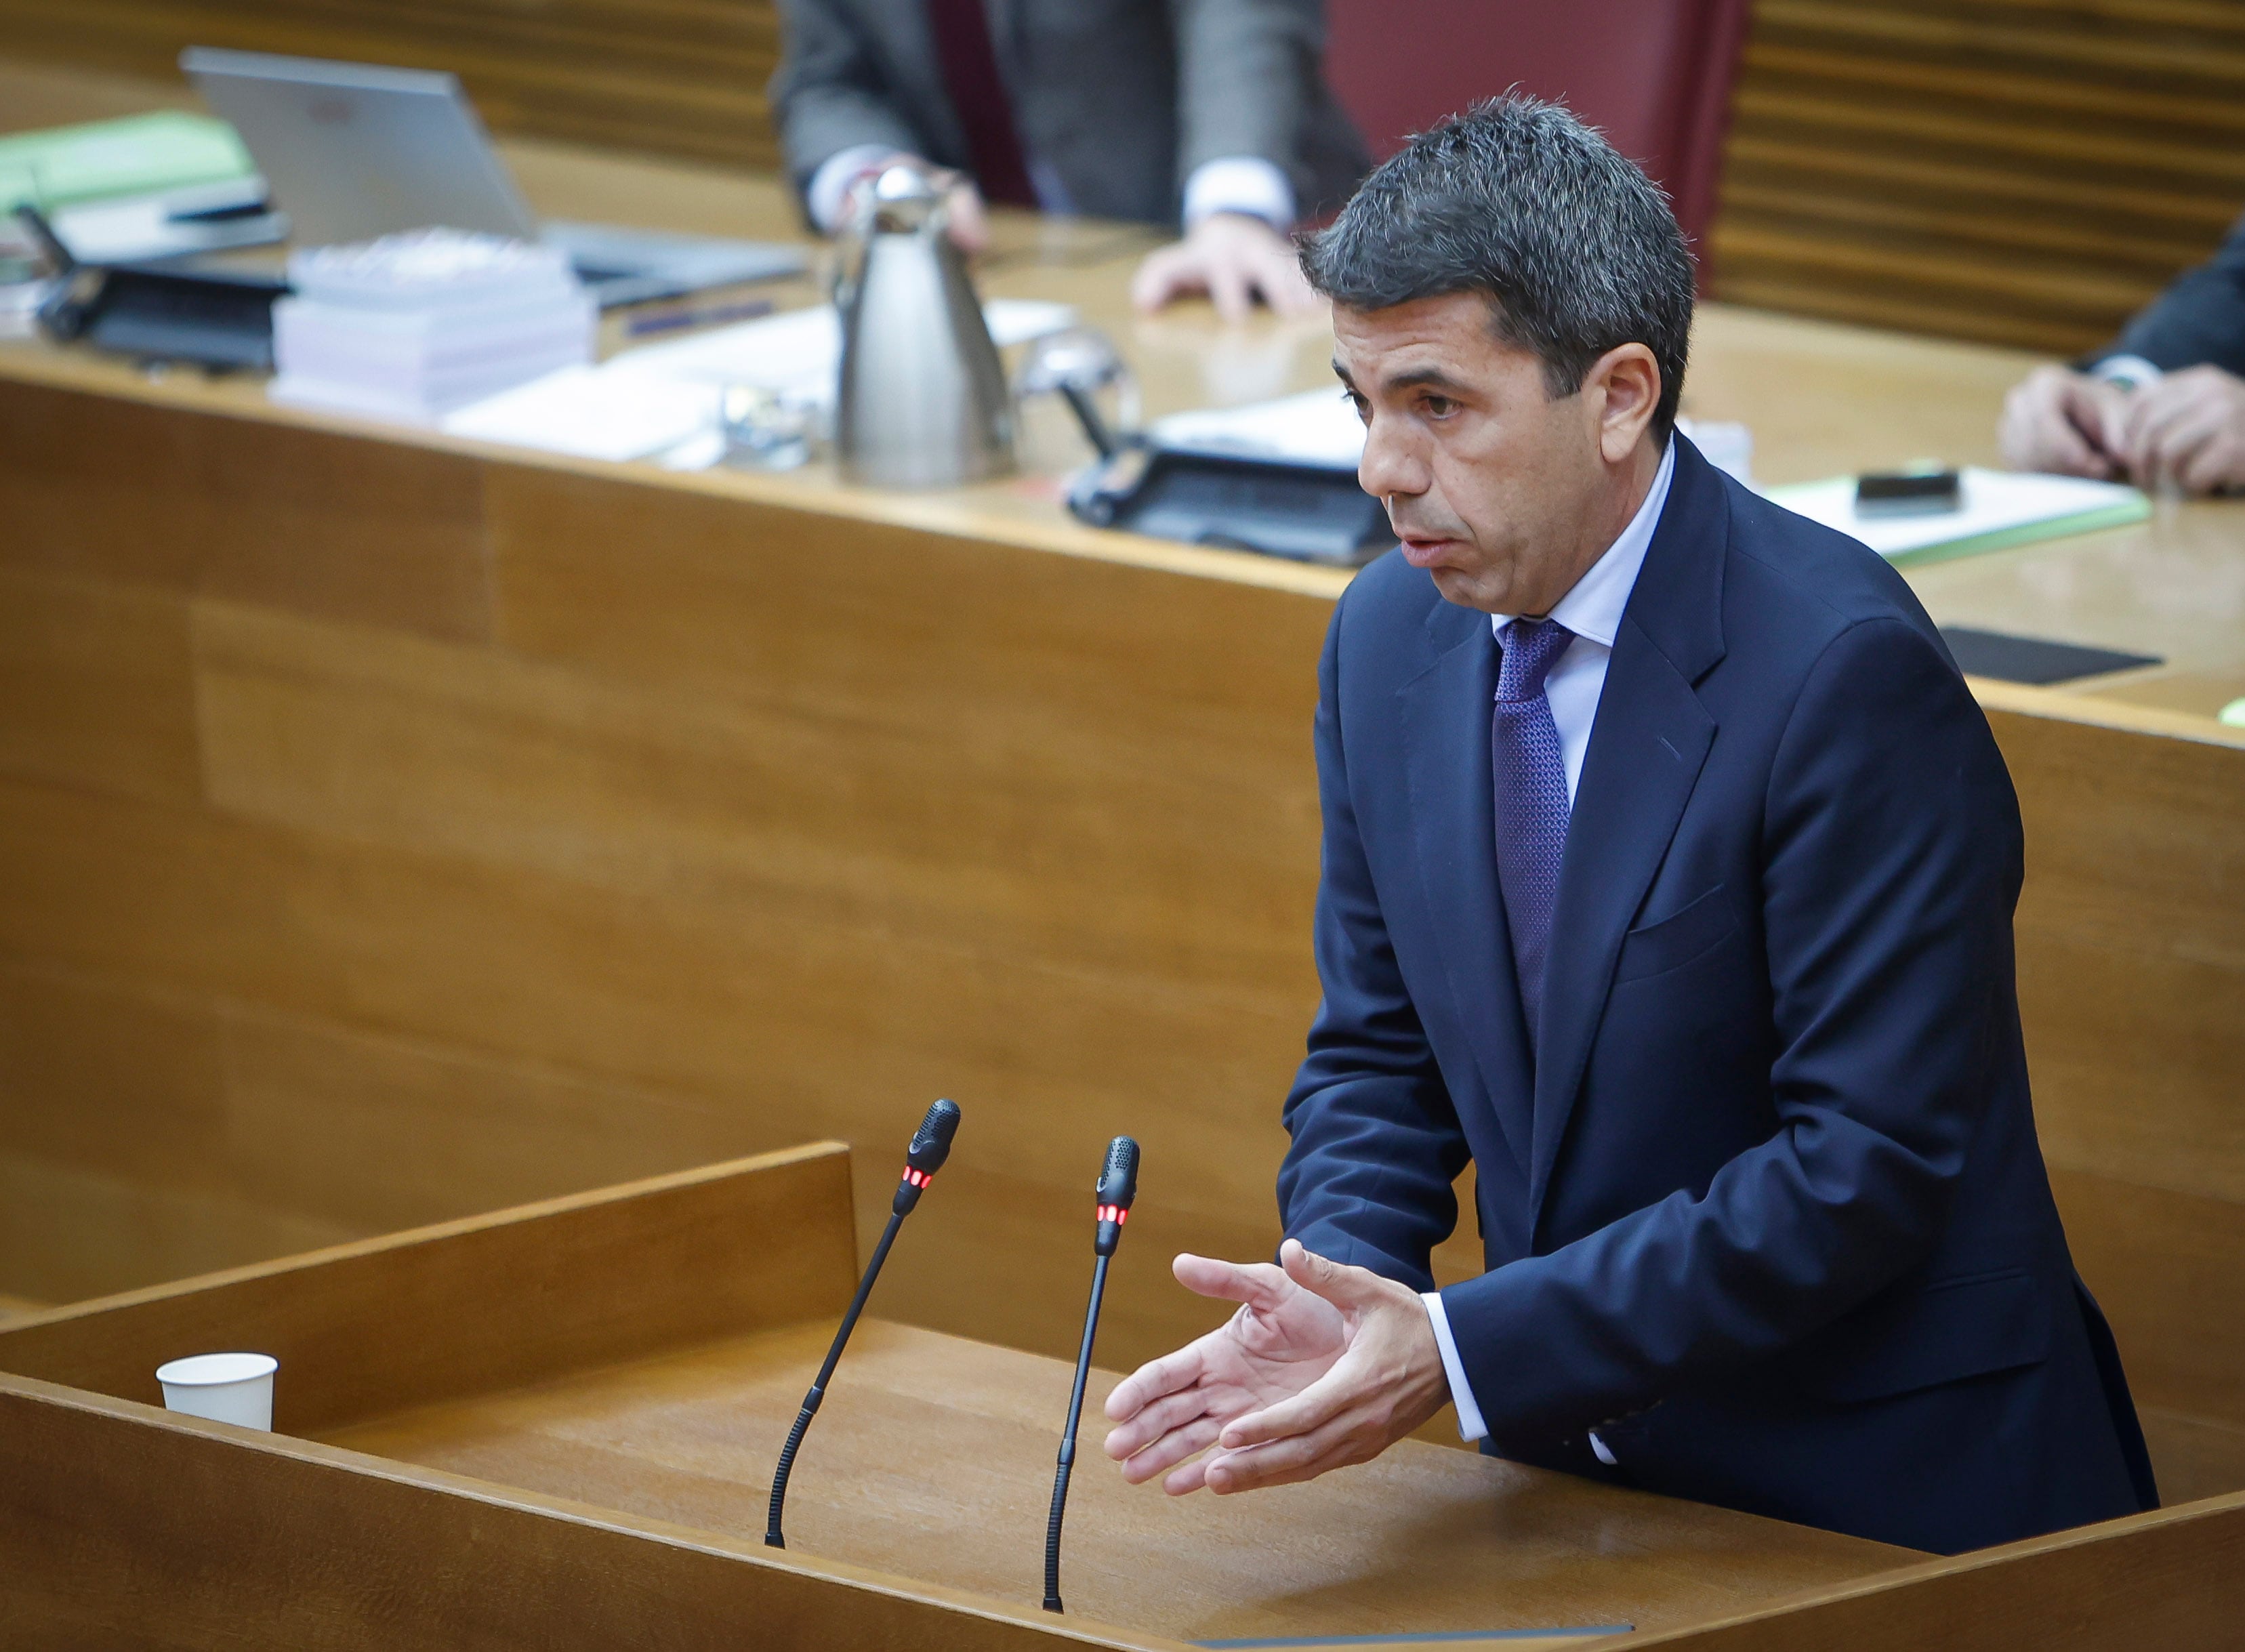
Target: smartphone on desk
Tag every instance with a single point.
(1897, 493)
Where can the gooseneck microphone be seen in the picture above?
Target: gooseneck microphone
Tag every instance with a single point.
(931, 1145)
(1118, 1186)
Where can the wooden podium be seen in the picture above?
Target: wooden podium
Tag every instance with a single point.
(555, 1427)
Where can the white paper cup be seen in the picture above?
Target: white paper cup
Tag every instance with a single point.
(227, 1388)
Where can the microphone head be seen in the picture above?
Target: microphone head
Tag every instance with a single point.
(1119, 1180)
(931, 1143)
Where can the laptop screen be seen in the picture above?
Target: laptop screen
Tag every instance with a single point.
(353, 151)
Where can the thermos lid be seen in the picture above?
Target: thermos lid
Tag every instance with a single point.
(904, 198)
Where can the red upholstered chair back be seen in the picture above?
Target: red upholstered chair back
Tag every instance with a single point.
(1655, 74)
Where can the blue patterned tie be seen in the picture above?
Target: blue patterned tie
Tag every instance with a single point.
(1531, 800)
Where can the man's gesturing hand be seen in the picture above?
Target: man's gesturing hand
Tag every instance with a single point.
(1324, 1364)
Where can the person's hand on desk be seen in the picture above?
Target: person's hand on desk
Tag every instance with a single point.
(1324, 1365)
(2187, 430)
(2056, 419)
(1232, 257)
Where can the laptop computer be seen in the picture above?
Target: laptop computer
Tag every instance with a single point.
(353, 151)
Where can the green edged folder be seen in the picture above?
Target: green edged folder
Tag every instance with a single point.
(137, 155)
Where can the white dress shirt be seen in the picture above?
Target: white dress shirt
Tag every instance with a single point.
(2129, 372)
(1592, 611)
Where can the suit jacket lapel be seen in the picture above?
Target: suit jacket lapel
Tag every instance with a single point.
(1647, 746)
(1445, 714)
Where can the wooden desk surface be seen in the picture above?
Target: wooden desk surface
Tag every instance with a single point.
(550, 1428)
(1821, 398)
(632, 1358)
(932, 1460)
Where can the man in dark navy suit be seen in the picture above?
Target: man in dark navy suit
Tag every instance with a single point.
(1669, 873)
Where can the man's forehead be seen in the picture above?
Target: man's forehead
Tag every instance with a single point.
(1443, 315)
(1447, 336)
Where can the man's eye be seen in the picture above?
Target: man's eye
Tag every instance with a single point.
(1439, 407)
(1363, 408)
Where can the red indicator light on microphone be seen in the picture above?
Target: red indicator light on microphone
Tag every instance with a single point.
(917, 1178)
(1115, 1214)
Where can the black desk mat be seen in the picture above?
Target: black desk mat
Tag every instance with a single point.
(1992, 653)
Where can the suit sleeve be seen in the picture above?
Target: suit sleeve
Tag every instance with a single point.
(830, 92)
(1247, 75)
(1376, 1143)
(1891, 865)
(2200, 319)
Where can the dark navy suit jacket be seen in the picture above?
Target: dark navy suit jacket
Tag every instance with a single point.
(2200, 317)
(1768, 1212)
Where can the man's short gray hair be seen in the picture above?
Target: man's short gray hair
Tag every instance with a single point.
(1517, 200)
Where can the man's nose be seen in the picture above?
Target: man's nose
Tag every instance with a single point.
(1391, 463)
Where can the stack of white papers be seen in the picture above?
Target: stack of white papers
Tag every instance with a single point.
(660, 402)
(593, 414)
(798, 355)
(1997, 509)
(1320, 428)
(413, 326)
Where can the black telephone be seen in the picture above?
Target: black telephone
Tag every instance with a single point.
(1306, 512)
(158, 311)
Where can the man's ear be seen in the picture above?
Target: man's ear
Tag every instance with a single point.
(1627, 385)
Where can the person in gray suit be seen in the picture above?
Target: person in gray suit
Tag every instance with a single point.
(1213, 114)
(2162, 405)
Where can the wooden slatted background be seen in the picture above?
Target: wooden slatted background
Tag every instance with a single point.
(2012, 171)
(674, 76)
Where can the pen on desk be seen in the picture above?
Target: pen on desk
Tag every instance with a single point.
(674, 320)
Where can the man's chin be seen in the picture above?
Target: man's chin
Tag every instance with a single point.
(1464, 590)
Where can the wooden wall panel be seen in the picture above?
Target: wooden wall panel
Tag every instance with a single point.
(382, 1131)
(330, 1128)
(2167, 1579)
(96, 688)
(2132, 951)
(2191, 1456)
(2165, 1267)
(310, 520)
(440, 1562)
(490, 1302)
(672, 77)
(1003, 822)
(2023, 171)
(759, 1025)
(67, 1233)
(112, 1080)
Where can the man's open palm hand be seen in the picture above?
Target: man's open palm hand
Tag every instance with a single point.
(1317, 1368)
(1282, 1339)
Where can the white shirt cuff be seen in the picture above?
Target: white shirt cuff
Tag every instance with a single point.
(1471, 1425)
(2131, 372)
(1245, 184)
(835, 175)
